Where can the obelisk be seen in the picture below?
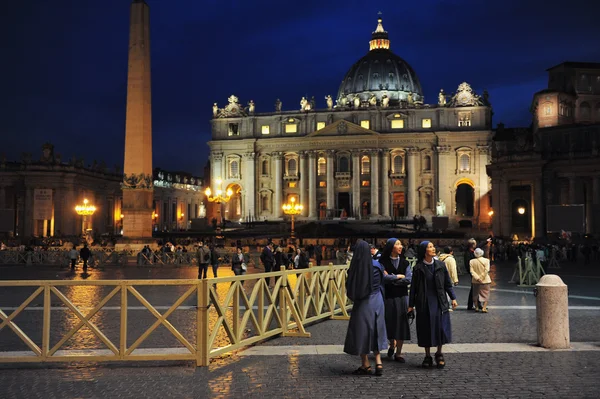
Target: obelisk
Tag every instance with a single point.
(137, 179)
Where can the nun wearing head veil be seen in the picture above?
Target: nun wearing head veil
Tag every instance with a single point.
(397, 279)
(366, 329)
(430, 284)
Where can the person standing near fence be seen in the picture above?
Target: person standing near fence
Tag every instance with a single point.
(73, 254)
(366, 329)
(203, 256)
(268, 260)
(239, 263)
(214, 260)
(84, 254)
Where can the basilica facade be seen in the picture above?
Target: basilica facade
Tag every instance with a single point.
(379, 152)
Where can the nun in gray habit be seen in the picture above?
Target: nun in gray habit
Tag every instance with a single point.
(366, 330)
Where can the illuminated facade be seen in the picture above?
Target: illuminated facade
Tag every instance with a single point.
(553, 163)
(380, 152)
(25, 212)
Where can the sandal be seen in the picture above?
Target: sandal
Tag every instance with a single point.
(362, 371)
(379, 370)
(399, 359)
(427, 362)
(484, 310)
(439, 360)
(391, 351)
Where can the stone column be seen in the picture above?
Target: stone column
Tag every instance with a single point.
(412, 174)
(444, 177)
(482, 154)
(496, 187)
(249, 185)
(572, 190)
(28, 213)
(303, 181)
(278, 178)
(312, 185)
(374, 167)
(538, 208)
(330, 180)
(356, 183)
(385, 184)
(505, 216)
(2, 197)
(216, 168)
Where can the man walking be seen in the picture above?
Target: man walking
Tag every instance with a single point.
(203, 255)
(73, 254)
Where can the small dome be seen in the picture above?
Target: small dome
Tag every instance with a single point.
(380, 72)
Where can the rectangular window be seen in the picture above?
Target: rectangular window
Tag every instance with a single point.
(265, 129)
(426, 123)
(292, 184)
(365, 124)
(397, 123)
(322, 184)
(291, 128)
(233, 129)
(365, 183)
(398, 182)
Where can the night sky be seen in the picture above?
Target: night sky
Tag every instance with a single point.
(63, 69)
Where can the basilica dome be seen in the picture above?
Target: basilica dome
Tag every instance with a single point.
(380, 74)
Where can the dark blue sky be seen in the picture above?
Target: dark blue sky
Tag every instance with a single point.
(64, 65)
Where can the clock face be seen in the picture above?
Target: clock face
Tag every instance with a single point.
(463, 98)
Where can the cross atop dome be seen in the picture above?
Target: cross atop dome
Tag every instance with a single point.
(379, 38)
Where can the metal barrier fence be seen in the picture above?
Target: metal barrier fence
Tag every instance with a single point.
(246, 316)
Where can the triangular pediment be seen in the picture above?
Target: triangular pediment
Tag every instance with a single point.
(343, 128)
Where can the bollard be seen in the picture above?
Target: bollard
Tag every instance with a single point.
(552, 308)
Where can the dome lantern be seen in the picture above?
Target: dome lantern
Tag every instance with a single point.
(379, 38)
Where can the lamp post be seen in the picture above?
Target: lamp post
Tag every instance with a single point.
(218, 198)
(154, 220)
(85, 210)
(292, 209)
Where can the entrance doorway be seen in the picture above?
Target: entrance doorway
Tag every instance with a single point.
(464, 199)
(398, 205)
(344, 204)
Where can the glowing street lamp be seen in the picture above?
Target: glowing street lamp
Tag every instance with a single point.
(292, 209)
(521, 210)
(218, 198)
(85, 210)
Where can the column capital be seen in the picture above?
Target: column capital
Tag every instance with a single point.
(249, 155)
(374, 151)
(355, 152)
(302, 154)
(442, 149)
(411, 151)
(312, 154)
(216, 155)
(330, 153)
(277, 155)
(483, 149)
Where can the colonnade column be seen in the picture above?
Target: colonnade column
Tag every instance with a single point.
(444, 177)
(412, 181)
(312, 185)
(505, 216)
(374, 167)
(385, 184)
(356, 183)
(330, 180)
(302, 174)
(249, 185)
(572, 192)
(277, 157)
(538, 207)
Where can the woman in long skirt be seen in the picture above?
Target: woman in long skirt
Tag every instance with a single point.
(396, 296)
(366, 329)
(430, 284)
(480, 272)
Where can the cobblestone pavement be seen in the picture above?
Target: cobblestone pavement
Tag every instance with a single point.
(549, 374)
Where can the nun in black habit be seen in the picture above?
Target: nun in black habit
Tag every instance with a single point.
(430, 284)
(398, 277)
(366, 329)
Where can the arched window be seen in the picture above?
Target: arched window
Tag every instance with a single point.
(343, 165)
(585, 111)
(464, 163)
(398, 164)
(264, 202)
(234, 169)
(292, 169)
(265, 167)
(426, 162)
(548, 109)
(322, 166)
(365, 165)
